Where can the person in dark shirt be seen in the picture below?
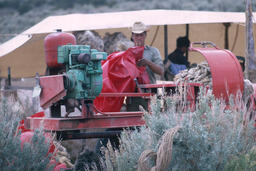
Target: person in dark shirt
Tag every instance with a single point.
(176, 61)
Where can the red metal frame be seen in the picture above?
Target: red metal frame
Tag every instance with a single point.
(111, 120)
(125, 95)
(103, 119)
(54, 92)
(227, 74)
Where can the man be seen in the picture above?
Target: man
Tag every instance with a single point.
(151, 56)
(151, 60)
(176, 61)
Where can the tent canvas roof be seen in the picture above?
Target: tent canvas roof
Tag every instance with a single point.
(99, 21)
(76, 22)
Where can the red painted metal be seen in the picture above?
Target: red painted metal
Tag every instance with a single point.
(105, 119)
(125, 94)
(51, 43)
(190, 96)
(227, 75)
(150, 86)
(52, 90)
(113, 120)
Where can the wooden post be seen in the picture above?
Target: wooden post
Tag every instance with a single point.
(187, 34)
(250, 61)
(165, 41)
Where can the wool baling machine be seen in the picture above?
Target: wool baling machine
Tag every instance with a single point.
(74, 80)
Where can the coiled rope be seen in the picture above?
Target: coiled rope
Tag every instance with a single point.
(162, 157)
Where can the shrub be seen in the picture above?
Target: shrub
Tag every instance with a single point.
(243, 162)
(207, 138)
(32, 156)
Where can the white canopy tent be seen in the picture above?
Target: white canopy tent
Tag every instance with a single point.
(25, 52)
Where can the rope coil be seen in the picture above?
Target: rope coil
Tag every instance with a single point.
(163, 156)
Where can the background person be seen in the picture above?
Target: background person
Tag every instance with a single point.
(176, 61)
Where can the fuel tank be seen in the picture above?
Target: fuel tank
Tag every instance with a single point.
(51, 43)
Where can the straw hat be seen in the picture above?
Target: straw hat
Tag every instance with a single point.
(139, 27)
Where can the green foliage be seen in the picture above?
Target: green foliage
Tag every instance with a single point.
(243, 162)
(207, 139)
(24, 6)
(32, 156)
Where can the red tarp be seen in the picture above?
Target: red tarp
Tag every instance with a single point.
(119, 72)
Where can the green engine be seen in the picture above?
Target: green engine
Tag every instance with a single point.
(83, 70)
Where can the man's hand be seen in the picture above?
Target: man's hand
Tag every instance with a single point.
(142, 62)
(154, 67)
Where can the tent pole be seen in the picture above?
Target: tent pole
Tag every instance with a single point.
(9, 77)
(227, 25)
(165, 41)
(187, 35)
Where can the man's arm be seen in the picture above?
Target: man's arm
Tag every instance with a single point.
(167, 64)
(154, 67)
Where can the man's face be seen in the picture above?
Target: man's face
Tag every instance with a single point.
(139, 39)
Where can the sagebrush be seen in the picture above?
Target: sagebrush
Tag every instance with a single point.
(32, 156)
(212, 137)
